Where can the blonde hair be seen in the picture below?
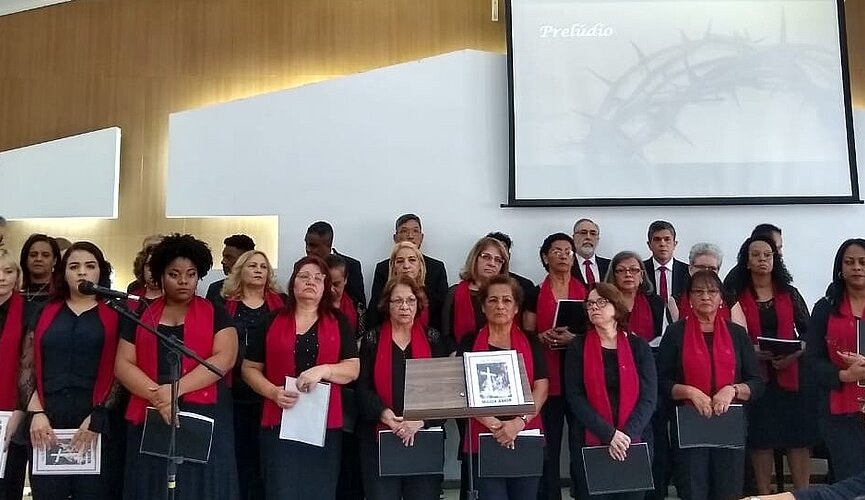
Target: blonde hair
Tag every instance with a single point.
(468, 272)
(421, 275)
(7, 259)
(232, 289)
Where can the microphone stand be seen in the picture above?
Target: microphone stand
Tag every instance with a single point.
(176, 350)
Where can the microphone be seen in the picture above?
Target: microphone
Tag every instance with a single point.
(90, 288)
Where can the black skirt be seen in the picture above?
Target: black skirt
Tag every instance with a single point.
(783, 419)
(298, 471)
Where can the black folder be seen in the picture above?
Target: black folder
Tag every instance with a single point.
(718, 431)
(193, 437)
(779, 347)
(525, 460)
(572, 314)
(605, 475)
(425, 457)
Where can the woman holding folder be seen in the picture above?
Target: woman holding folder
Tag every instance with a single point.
(501, 297)
(310, 341)
(383, 355)
(611, 383)
(772, 308)
(708, 363)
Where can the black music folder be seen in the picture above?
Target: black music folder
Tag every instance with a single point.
(779, 347)
(525, 460)
(718, 431)
(605, 475)
(572, 314)
(425, 457)
(193, 437)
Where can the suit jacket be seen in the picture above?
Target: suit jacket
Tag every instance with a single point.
(603, 266)
(680, 277)
(354, 275)
(436, 285)
(214, 292)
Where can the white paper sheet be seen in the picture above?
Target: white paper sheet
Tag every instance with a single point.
(306, 421)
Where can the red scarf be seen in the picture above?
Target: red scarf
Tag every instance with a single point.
(105, 372)
(641, 321)
(698, 365)
(346, 305)
(10, 352)
(519, 343)
(197, 335)
(686, 311)
(383, 373)
(546, 313)
(596, 388)
(279, 362)
(272, 299)
(464, 311)
(788, 378)
(841, 336)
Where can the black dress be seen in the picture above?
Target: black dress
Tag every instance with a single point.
(217, 480)
(12, 484)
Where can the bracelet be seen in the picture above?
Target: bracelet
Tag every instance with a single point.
(37, 412)
(735, 391)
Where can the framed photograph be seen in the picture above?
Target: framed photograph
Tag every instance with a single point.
(61, 459)
(4, 423)
(493, 379)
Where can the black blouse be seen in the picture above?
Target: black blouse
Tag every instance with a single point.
(248, 322)
(306, 348)
(71, 350)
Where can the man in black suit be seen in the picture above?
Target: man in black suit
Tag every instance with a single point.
(408, 228)
(668, 276)
(589, 268)
(235, 246)
(319, 242)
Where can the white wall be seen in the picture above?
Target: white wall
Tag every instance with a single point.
(430, 137)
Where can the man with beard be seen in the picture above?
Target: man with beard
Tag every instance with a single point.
(588, 268)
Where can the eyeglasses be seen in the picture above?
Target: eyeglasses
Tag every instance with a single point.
(558, 252)
(587, 232)
(621, 271)
(490, 257)
(314, 277)
(398, 301)
(706, 268)
(711, 292)
(600, 303)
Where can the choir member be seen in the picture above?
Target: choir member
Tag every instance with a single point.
(611, 383)
(68, 370)
(249, 293)
(39, 256)
(319, 242)
(526, 284)
(645, 309)
(710, 363)
(783, 418)
(383, 354)
(668, 275)
(309, 340)
(139, 265)
(234, 246)
(702, 257)
(144, 367)
(765, 229)
(341, 301)
(12, 327)
(589, 267)
(501, 297)
(557, 257)
(830, 355)
(462, 312)
(408, 229)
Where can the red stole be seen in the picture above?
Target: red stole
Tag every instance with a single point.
(10, 352)
(464, 311)
(686, 311)
(383, 372)
(698, 365)
(423, 318)
(788, 378)
(273, 301)
(279, 362)
(105, 373)
(546, 313)
(346, 305)
(519, 343)
(197, 335)
(641, 322)
(841, 336)
(596, 388)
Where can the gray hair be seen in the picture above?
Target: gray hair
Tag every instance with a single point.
(705, 249)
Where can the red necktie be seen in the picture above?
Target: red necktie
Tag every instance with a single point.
(663, 285)
(590, 276)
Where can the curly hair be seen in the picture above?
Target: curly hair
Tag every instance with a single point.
(781, 277)
(175, 246)
(60, 289)
(25, 251)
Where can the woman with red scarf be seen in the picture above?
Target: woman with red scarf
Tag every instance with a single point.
(783, 418)
(501, 297)
(69, 360)
(557, 256)
(645, 308)
(612, 384)
(308, 340)
(383, 355)
(830, 356)
(143, 366)
(709, 363)
(249, 294)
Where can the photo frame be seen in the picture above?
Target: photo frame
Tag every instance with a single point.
(493, 379)
(61, 459)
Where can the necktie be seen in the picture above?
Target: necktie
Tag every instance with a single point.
(662, 286)
(590, 276)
